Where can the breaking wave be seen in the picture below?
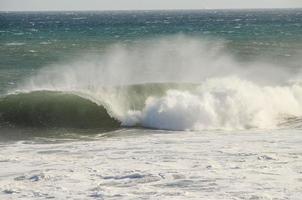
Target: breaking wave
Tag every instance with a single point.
(225, 103)
(176, 83)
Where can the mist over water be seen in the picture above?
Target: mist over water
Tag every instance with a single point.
(177, 58)
(197, 85)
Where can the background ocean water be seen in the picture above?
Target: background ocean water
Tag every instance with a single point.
(30, 41)
(201, 104)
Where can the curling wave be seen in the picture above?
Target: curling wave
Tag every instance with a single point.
(217, 104)
(174, 83)
(54, 109)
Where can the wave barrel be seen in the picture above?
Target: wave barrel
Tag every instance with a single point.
(54, 109)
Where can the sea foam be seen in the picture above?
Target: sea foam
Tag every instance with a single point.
(224, 103)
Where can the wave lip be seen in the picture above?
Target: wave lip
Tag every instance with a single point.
(54, 109)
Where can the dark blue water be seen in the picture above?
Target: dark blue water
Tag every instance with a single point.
(30, 40)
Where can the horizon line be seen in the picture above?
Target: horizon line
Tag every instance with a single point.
(169, 9)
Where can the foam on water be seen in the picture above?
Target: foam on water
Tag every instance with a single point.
(15, 44)
(224, 103)
(138, 164)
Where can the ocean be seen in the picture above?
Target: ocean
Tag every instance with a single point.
(187, 104)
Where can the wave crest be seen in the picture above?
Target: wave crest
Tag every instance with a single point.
(224, 103)
(216, 104)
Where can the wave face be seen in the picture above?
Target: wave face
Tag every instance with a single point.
(54, 109)
(174, 83)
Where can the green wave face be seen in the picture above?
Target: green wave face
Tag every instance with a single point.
(54, 109)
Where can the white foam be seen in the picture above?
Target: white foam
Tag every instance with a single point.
(15, 44)
(138, 164)
(224, 103)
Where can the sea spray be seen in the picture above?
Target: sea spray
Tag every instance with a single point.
(178, 83)
(176, 59)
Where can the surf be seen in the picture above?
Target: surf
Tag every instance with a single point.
(172, 83)
(217, 104)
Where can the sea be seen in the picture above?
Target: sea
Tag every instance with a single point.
(167, 104)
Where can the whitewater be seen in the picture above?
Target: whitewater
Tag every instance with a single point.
(151, 105)
(196, 87)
